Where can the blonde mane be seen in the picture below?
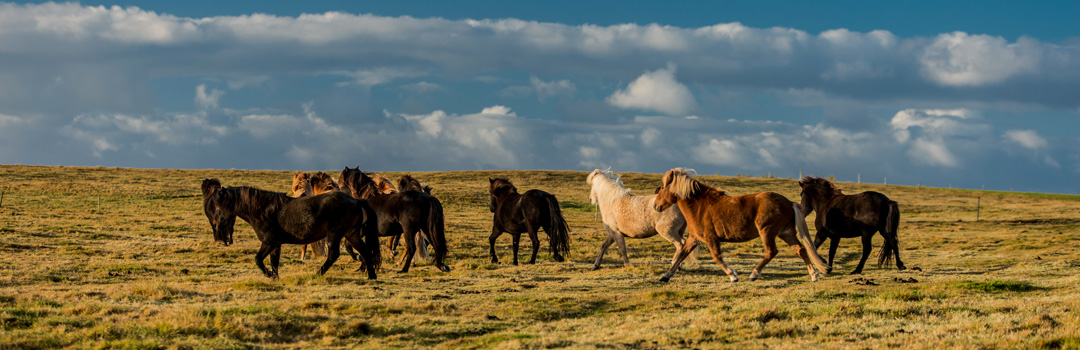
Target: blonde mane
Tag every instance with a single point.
(301, 184)
(606, 186)
(383, 184)
(683, 185)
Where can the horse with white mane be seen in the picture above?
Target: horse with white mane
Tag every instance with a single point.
(627, 215)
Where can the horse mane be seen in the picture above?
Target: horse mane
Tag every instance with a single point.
(301, 184)
(826, 187)
(612, 187)
(683, 185)
(209, 186)
(260, 204)
(501, 184)
(382, 184)
(321, 183)
(409, 183)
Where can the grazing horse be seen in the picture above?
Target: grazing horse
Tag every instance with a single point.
(517, 213)
(848, 216)
(627, 215)
(403, 213)
(308, 184)
(714, 217)
(279, 219)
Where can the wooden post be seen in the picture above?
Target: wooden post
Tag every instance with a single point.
(2, 198)
(886, 181)
(858, 178)
(800, 173)
(978, 206)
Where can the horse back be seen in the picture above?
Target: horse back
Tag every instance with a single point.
(868, 209)
(740, 218)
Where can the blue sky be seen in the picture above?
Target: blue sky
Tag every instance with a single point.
(962, 94)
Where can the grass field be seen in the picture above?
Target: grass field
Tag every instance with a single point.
(124, 258)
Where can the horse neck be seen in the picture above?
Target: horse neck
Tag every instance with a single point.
(821, 202)
(255, 204)
(608, 192)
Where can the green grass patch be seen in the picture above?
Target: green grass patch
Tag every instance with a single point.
(996, 286)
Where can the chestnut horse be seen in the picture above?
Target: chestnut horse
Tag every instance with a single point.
(306, 185)
(847, 216)
(714, 217)
(627, 215)
(518, 213)
(404, 213)
(279, 219)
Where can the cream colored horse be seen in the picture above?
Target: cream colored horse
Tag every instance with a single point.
(627, 215)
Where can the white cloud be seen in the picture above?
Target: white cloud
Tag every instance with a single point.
(1027, 138)
(959, 59)
(378, 76)
(719, 152)
(207, 100)
(656, 91)
(422, 87)
(931, 152)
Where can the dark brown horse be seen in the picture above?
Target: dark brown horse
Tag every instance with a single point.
(848, 216)
(407, 183)
(518, 213)
(714, 217)
(404, 213)
(306, 185)
(279, 219)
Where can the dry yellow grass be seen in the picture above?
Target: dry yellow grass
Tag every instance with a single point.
(143, 272)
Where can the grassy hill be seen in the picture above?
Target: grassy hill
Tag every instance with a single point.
(124, 258)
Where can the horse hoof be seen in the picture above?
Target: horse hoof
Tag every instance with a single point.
(444, 268)
(856, 272)
(665, 279)
(559, 259)
(734, 278)
(753, 277)
(595, 267)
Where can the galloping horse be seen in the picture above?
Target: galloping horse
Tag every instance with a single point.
(306, 185)
(406, 183)
(847, 216)
(279, 219)
(627, 215)
(517, 213)
(714, 217)
(402, 213)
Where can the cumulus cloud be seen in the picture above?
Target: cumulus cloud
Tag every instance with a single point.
(1027, 138)
(960, 59)
(378, 76)
(656, 91)
(545, 89)
(207, 100)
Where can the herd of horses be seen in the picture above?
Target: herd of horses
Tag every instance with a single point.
(361, 207)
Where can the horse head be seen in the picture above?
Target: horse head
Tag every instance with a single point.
(221, 218)
(499, 187)
(815, 189)
(321, 183)
(664, 199)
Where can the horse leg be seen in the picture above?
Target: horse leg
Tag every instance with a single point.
(770, 253)
(621, 241)
(391, 245)
(688, 246)
(834, 243)
(867, 248)
(536, 245)
(334, 250)
(264, 250)
(495, 233)
(422, 244)
(714, 248)
(802, 251)
(603, 248)
(303, 251)
(410, 247)
(676, 238)
(275, 258)
(517, 241)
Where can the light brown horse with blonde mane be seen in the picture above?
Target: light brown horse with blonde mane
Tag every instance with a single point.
(714, 217)
(306, 185)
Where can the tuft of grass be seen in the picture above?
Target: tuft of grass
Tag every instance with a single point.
(996, 286)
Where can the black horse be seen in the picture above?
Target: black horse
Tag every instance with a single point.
(518, 213)
(279, 219)
(402, 213)
(844, 216)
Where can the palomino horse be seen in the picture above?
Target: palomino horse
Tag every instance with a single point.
(279, 219)
(518, 213)
(844, 216)
(627, 215)
(403, 213)
(308, 184)
(713, 217)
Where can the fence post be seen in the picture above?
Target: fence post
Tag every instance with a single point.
(978, 207)
(886, 181)
(858, 178)
(2, 193)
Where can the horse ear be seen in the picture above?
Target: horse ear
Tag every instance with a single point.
(209, 186)
(490, 180)
(657, 190)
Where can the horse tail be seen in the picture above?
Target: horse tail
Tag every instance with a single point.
(892, 243)
(437, 230)
(557, 230)
(371, 237)
(807, 243)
